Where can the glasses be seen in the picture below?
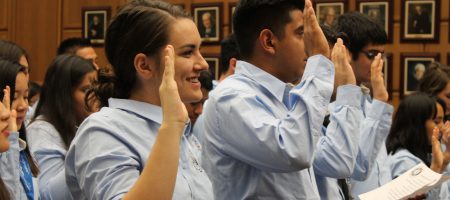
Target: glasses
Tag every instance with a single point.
(372, 53)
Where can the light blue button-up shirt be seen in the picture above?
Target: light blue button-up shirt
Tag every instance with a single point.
(371, 130)
(257, 148)
(49, 151)
(403, 160)
(111, 149)
(10, 169)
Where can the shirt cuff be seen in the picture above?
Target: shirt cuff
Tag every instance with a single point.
(380, 110)
(320, 66)
(348, 95)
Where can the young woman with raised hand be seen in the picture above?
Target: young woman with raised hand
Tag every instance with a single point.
(154, 49)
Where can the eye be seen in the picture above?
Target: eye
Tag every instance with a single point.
(188, 53)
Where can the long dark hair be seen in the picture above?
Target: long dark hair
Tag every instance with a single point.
(139, 27)
(8, 74)
(63, 76)
(408, 130)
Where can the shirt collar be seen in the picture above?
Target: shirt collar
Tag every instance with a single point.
(22, 144)
(145, 110)
(266, 80)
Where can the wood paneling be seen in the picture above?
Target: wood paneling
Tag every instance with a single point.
(3, 35)
(4, 13)
(37, 32)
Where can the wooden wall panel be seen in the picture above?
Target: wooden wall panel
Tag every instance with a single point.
(38, 33)
(3, 35)
(4, 14)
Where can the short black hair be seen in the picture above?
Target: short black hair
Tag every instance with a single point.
(252, 16)
(360, 30)
(205, 79)
(71, 45)
(228, 50)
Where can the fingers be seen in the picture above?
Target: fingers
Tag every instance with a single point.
(435, 138)
(6, 98)
(169, 68)
(12, 125)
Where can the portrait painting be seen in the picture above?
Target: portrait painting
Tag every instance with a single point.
(380, 12)
(420, 20)
(413, 67)
(213, 62)
(328, 12)
(207, 17)
(94, 24)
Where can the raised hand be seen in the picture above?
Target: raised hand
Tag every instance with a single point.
(445, 131)
(12, 124)
(377, 80)
(344, 73)
(174, 111)
(315, 41)
(437, 159)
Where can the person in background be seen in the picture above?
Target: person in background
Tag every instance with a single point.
(229, 55)
(414, 140)
(33, 96)
(59, 111)
(436, 82)
(154, 49)
(21, 177)
(80, 47)
(14, 53)
(365, 44)
(7, 141)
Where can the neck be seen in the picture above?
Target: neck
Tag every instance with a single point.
(146, 94)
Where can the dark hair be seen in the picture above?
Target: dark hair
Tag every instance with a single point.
(139, 27)
(71, 45)
(408, 130)
(33, 89)
(442, 103)
(63, 76)
(12, 52)
(8, 74)
(252, 16)
(332, 35)
(361, 31)
(435, 79)
(228, 50)
(205, 79)
(4, 193)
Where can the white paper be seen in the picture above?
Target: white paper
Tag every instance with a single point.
(418, 180)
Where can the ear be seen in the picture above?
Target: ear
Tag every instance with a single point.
(232, 65)
(145, 67)
(267, 41)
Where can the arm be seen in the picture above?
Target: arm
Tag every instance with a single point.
(336, 151)
(262, 136)
(376, 124)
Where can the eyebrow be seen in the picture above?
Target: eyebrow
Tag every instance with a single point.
(190, 46)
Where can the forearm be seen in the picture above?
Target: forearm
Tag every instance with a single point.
(158, 178)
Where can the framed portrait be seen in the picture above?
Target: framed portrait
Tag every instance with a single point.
(379, 11)
(329, 10)
(231, 7)
(213, 62)
(94, 23)
(413, 66)
(387, 73)
(208, 18)
(420, 21)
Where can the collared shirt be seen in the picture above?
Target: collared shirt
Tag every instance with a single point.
(373, 127)
(257, 148)
(403, 160)
(48, 149)
(10, 169)
(111, 149)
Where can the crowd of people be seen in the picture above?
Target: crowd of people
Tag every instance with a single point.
(300, 111)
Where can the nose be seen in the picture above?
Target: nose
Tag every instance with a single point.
(22, 104)
(201, 64)
(198, 109)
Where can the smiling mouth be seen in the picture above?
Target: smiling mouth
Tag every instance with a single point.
(193, 79)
